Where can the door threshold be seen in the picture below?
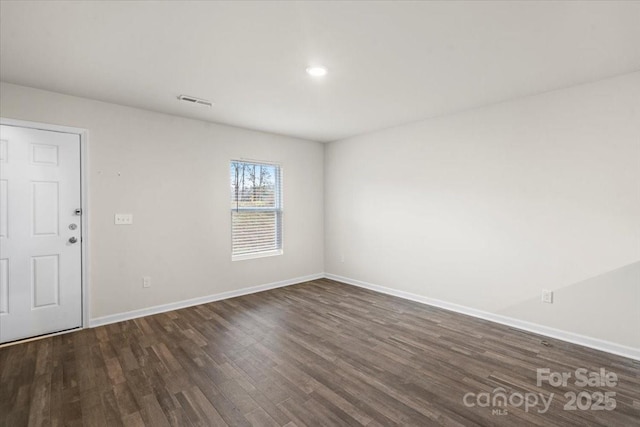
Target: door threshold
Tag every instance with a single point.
(39, 337)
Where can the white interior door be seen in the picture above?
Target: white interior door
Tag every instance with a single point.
(40, 232)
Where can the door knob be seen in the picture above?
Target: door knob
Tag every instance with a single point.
(72, 240)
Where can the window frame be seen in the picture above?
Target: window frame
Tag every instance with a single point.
(277, 209)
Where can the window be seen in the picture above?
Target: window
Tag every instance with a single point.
(256, 210)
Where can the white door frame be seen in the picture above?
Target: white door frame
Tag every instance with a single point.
(84, 195)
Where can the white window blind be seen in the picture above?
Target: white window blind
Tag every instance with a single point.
(256, 209)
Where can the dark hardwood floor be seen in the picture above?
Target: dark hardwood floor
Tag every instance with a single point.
(319, 354)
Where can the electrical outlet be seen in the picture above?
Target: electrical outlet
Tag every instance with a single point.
(547, 296)
(146, 282)
(123, 219)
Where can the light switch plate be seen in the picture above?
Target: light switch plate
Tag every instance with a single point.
(123, 219)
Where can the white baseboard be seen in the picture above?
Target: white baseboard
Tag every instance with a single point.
(598, 344)
(119, 317)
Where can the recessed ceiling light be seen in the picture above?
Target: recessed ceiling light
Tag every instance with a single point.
(318, 71)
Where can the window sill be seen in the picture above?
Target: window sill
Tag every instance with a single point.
(256, 255)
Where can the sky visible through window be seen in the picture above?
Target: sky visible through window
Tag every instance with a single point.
(253, 185)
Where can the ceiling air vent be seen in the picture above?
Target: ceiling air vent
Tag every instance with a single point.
(194, 100)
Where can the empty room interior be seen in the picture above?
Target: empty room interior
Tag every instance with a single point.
(319, 213)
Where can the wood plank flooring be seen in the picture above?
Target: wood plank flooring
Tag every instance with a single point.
(319, 353)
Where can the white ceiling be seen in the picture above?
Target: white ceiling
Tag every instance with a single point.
(389, 62)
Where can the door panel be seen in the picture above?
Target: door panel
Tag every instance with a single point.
(44, 280)
(44, 196)
(4, 286)
(40, 268)
(4, 210)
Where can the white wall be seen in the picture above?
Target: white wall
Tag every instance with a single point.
(482, 208)
(486, 208)
(173, 175)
